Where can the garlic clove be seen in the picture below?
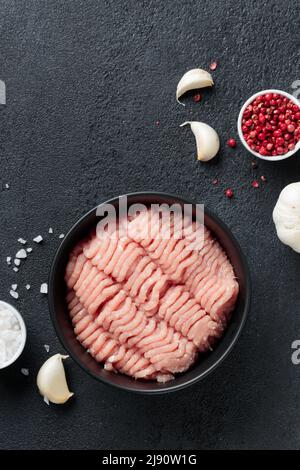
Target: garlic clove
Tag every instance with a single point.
(51, 380)
(207, 140)
(195, 78)
(286, 216)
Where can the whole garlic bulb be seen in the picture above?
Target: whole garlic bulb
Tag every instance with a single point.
(286, 216)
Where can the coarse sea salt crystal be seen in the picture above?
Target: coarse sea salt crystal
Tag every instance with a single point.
(21, 240)
(14, 286)
(17, 262)
(8, 260)
(21, 254)
(27, 286)
(29, 249)
(47, 347)
(10, 335)
(50, 230)
(38, 239)
(14, 294)
(15, 269)
(44, 288)
(6, 186)
(25, 371)
(61, 235)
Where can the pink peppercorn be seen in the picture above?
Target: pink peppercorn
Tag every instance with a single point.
(229, 193)
(231, 143)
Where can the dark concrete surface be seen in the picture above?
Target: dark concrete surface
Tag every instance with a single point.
(86, 83)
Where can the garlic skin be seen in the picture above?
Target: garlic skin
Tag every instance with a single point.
(207, 140)
(195, 78)
(51, 380)
(286, 216)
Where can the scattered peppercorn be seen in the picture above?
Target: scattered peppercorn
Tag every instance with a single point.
(213, 65)
(229, 193)
(215, 181)
(231, 143)
(255, 184)
(263, 178)
(197, 97)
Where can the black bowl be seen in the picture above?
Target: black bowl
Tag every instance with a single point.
(206, 363)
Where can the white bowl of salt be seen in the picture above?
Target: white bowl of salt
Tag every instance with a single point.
(12, 334)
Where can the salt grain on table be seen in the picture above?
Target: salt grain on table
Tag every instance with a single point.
(14, 294)
(25, 372)
(17, 262)
(29, 250)
(21, 254)
(38, 239)
(8, 260)
(16, 269)
(21, 240)
(44, 288)
(27, 286)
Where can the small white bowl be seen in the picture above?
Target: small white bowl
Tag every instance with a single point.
(239, 126)
(23, 332)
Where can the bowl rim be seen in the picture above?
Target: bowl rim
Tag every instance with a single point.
(240, 132)
(23, 328)
(174, 387)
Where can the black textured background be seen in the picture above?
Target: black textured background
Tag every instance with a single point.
(87, 82)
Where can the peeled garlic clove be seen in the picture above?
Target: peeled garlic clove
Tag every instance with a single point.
(195, 78)
(286, 216)
(51, 380)
(207, 140)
